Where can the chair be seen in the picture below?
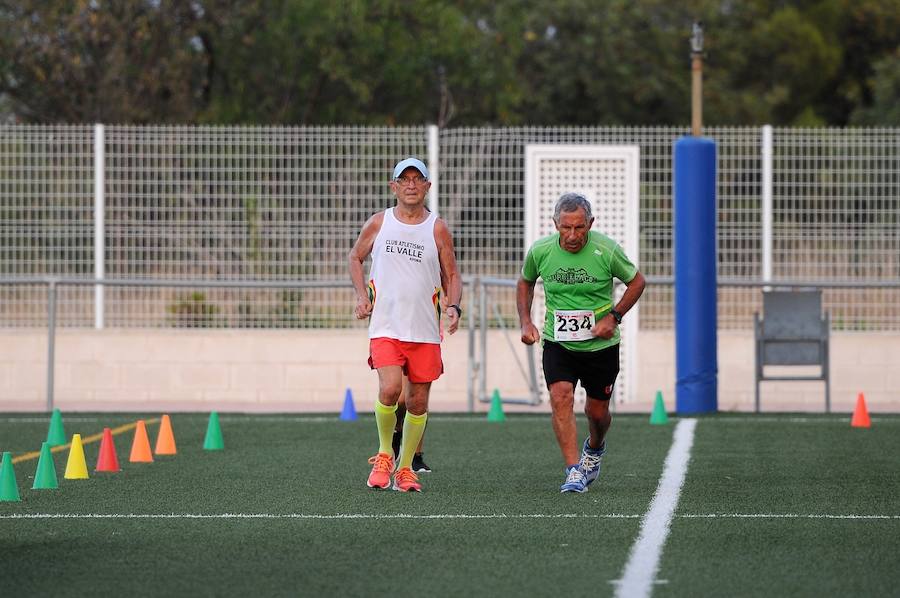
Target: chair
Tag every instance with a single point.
(792, 331)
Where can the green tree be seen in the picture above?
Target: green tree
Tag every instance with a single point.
(867, 33)
(104, 61)
(581, 62)
(465, 62)
(885, 107)
(355, 62)
(767, 64)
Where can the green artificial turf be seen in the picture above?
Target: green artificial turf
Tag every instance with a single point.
(490, 521)
(788, 467)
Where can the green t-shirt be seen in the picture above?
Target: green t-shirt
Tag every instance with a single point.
(578, 281)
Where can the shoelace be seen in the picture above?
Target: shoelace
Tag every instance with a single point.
(575, 475)
(382, 462)
(406, 475)
(590, 461)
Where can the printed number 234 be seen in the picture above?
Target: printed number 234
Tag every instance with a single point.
(572, 324)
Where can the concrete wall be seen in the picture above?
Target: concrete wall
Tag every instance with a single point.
(309, 370)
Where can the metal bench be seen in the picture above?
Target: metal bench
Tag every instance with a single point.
(792, 332)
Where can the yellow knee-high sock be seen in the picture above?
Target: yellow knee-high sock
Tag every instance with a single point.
(413, 428)
(385, 419)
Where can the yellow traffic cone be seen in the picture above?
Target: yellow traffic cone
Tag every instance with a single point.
(76, 466)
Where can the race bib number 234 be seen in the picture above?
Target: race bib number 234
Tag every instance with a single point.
(573, 324)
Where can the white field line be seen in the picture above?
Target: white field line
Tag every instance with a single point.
(271, 419)
(640, 570)
(449, 516)
(538, 417)
(529, 417)
(772, 419)
(313, 516)
(783, 516)
(43, 420)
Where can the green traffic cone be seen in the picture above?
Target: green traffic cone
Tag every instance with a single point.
(9, 490)
(496, 412)
(659, 416)
(45, 474)
(213, 441)
(56, 435)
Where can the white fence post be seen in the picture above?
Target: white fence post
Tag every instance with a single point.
(433, 168)
(766, 155)
(99, 232)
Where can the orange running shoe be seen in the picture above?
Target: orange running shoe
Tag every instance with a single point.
(382, 466)
(406, 480)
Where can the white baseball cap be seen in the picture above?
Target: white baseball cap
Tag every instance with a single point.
(407, 163)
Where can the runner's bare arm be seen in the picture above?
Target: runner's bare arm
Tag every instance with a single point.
(524, 299)
(357, 257)
(450, 277)
(606, 326)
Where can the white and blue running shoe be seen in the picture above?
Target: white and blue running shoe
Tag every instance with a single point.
(591, 459)
(575, 480)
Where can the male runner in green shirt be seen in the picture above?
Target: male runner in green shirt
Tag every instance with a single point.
(581, 329)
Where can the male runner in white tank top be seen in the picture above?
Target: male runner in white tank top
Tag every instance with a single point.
(412, 281)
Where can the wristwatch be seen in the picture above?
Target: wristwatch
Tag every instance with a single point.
(457, 308)
(616, 315)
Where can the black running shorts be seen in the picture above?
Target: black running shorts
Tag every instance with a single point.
(597, 370)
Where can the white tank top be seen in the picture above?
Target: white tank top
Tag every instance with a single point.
(405, 282)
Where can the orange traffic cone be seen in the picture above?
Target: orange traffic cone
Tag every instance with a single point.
(165, 440)
(861, 414)
(107, 460)
(140, 448)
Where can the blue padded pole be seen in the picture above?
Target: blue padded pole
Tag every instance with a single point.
(696, 361)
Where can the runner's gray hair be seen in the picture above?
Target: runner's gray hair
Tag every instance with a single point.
(569, 202)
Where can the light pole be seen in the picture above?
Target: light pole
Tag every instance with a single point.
(697, 79)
